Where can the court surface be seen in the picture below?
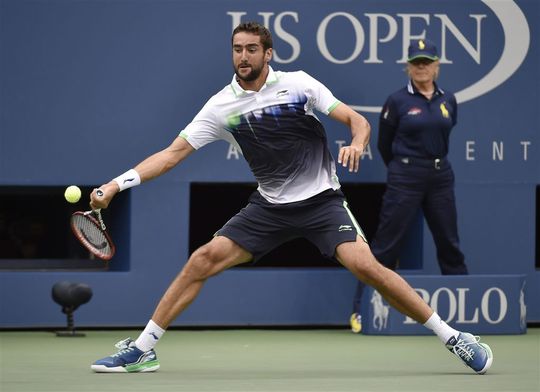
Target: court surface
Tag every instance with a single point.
(267, 360)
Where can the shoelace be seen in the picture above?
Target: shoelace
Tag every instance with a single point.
(123, 346)
(126, 350)
(462, 349)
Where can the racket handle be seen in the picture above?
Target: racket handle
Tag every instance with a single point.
(97, 211)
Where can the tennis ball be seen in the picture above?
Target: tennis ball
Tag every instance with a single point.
(72, 194)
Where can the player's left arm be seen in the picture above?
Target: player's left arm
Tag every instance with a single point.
(349, 156)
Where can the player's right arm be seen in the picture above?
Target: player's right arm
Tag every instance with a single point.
(164, 160)
(152, 167)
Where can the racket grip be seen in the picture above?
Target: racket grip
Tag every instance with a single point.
(97, 213)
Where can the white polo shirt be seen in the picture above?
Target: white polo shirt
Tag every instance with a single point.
(277, 132)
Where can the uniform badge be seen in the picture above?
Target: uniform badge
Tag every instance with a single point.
(444, 111)
(414, 111)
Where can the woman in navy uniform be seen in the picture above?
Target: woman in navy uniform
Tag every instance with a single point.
(414, 130)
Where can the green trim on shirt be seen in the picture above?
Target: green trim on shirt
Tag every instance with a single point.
(333, 106)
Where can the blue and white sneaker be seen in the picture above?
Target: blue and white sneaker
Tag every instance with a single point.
(129, 359)
(476, 355)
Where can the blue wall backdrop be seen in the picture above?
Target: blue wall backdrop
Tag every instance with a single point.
(90, 88)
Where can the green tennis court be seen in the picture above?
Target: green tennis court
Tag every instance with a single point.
(267, 360)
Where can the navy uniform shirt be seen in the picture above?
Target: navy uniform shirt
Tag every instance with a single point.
(410, 125)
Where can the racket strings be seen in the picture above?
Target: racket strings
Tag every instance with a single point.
(92, 235)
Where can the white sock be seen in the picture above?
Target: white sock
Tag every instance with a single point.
(440, 328)
(149, 337)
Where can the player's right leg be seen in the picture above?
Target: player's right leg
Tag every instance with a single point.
(139, 356)
(216, 256)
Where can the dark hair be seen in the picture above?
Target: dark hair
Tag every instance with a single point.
(257, 29)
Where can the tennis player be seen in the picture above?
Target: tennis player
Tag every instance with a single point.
(269, 116)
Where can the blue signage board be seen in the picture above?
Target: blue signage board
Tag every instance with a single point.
(480, 304)
(90, 88)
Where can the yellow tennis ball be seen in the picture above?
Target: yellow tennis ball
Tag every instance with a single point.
(72, 194)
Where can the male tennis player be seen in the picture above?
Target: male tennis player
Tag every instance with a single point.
(268, 115)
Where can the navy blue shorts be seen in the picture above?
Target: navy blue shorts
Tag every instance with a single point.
(324, 219)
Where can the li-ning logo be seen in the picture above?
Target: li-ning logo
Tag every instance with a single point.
(345, 228)
(282, 93)
(128, 180)
(153, 335)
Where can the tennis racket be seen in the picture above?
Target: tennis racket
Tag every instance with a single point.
(90, 230)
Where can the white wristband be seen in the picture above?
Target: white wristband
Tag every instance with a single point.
(127, 180)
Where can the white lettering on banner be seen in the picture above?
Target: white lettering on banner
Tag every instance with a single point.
(446, 23)
(367, 153)
(503, 307)
(515, 44)
(236, 18)
(340, 143)
(469, 150)
(462, 292)
(285, 36)
(458, 305)
(374, 35)
(359, 38)
(452, 302)
(233, 152)
(497, 150)
(525, 144)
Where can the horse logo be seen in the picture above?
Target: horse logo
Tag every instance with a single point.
(380, 311)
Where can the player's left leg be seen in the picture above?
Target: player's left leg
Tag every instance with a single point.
(357, 257)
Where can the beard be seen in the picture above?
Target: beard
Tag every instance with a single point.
(250, 77)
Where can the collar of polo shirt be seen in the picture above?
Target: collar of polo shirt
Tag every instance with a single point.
(238, 90)
(411, 89)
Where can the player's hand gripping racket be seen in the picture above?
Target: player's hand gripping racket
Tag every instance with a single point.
(90, 230)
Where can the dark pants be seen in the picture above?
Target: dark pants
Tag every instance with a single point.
(410, 186)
